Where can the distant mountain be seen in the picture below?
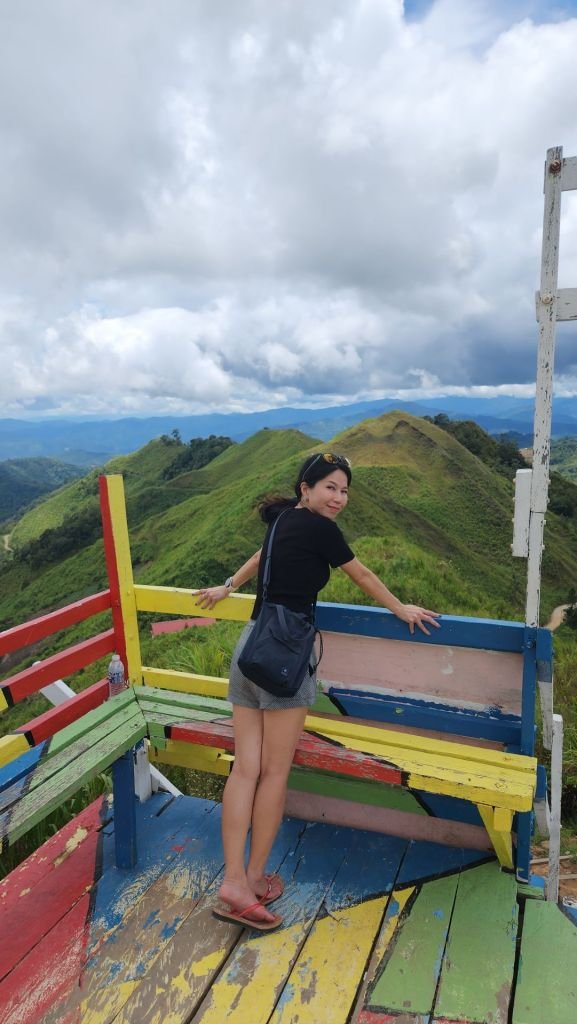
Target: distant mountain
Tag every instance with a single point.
(426, 514)
(92, 442)
(23, 481)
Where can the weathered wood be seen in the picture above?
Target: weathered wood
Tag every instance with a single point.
(60, 785)
(407, 979)
(46, 725)
(63, 664)
(569, 173)
(187, 755)
(110, 711)
(46, 625)
(177, 601)
(119, 567)
(555, 818)
(478, 965)
(184, 682)
(546, 991)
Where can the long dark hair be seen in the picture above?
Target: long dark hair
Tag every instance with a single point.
(316, 467)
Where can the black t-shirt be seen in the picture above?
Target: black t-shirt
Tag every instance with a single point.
(304, 548)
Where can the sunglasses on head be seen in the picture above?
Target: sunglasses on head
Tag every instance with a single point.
(333, 460)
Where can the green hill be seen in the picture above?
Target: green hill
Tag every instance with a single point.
(23, 481)
(425, 512)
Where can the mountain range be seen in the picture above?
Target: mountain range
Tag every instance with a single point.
(90, 442)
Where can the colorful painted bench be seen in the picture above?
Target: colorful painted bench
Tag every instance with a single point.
(422, 737)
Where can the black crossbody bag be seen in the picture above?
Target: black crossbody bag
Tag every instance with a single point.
(277, 654)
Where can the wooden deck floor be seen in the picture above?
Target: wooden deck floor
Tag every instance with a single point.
(376, 929)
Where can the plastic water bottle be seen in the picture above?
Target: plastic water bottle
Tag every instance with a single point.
(116, 680)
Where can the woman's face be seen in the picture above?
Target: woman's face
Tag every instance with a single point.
(328, 496)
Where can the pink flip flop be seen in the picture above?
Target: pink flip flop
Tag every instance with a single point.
(275, 889)
(242, 917)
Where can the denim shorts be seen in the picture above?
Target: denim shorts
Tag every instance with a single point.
(248, 695)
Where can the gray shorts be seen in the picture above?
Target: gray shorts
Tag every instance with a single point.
(246, 693)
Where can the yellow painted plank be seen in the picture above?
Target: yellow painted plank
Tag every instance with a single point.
(117, 506)
(325, 978)
(188, 755)
(177, 601)
(475, 789)
(3, 702)
(184, 682)
(498, 823)
(370, 733)
(12, 746)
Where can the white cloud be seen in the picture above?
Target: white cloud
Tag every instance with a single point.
(251, 204)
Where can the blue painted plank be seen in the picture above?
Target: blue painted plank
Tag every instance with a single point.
(422, 714)
(125, 804)
(425, 861)
(454, 631)
(20, 767)
(370, 868)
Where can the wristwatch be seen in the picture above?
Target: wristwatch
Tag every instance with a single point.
(229, 584)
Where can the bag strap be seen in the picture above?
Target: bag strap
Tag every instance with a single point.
(267, 569)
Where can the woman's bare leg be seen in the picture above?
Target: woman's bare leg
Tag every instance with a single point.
(237, 808)
(281, 731)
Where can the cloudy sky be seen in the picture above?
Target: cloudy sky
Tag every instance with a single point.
(243, 204)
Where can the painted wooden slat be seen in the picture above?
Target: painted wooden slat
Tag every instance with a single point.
(119, 567)
(49, 723)
(569, 173)
(178, 978)
(311, 752)
(566, 310)
(31, 989)
(465, 678)
(16, 771)
(185, 682)
(255, 972)
(546, 991)
(46, 625)
(40, 801)
(491, 725)
(394, 918)
(455, 631)
(58, 665)
(408, 978)
(498, 823)
(477, 971)
(17, 887)
(12, 746)
(186, 755)
(111, 710)
(335, 954)
(177, 601)
(188, 700)
(423, 827)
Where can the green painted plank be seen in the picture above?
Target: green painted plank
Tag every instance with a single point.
(477, 971)
(86, 723)
(168, 715)
(407, 980)
(546, 991)
(41, 801)
(156, 695)
(81, 748)
(378, 794)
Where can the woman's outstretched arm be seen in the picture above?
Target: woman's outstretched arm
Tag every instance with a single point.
(370, 584)
(209, 596)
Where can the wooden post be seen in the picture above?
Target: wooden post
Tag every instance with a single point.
(119, 566)
(124, 811)
(555, 816)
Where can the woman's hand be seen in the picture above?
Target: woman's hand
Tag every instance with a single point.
(416, 616)
(209, 596)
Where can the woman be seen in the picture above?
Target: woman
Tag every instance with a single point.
(308, 543)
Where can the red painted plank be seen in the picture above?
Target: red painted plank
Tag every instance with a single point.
(31, 917)
(311, 751)
(46, 725)
(112, 569)
(54, 852)
(59, 665)
(49, 973)
(37, 629)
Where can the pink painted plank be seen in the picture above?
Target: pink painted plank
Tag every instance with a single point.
(37, 629)
(453, 674)
(46, 725)
(311, 752)
(176, 625)
(49, 972)
(58, 666)
(47, 858)
(389, 821)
